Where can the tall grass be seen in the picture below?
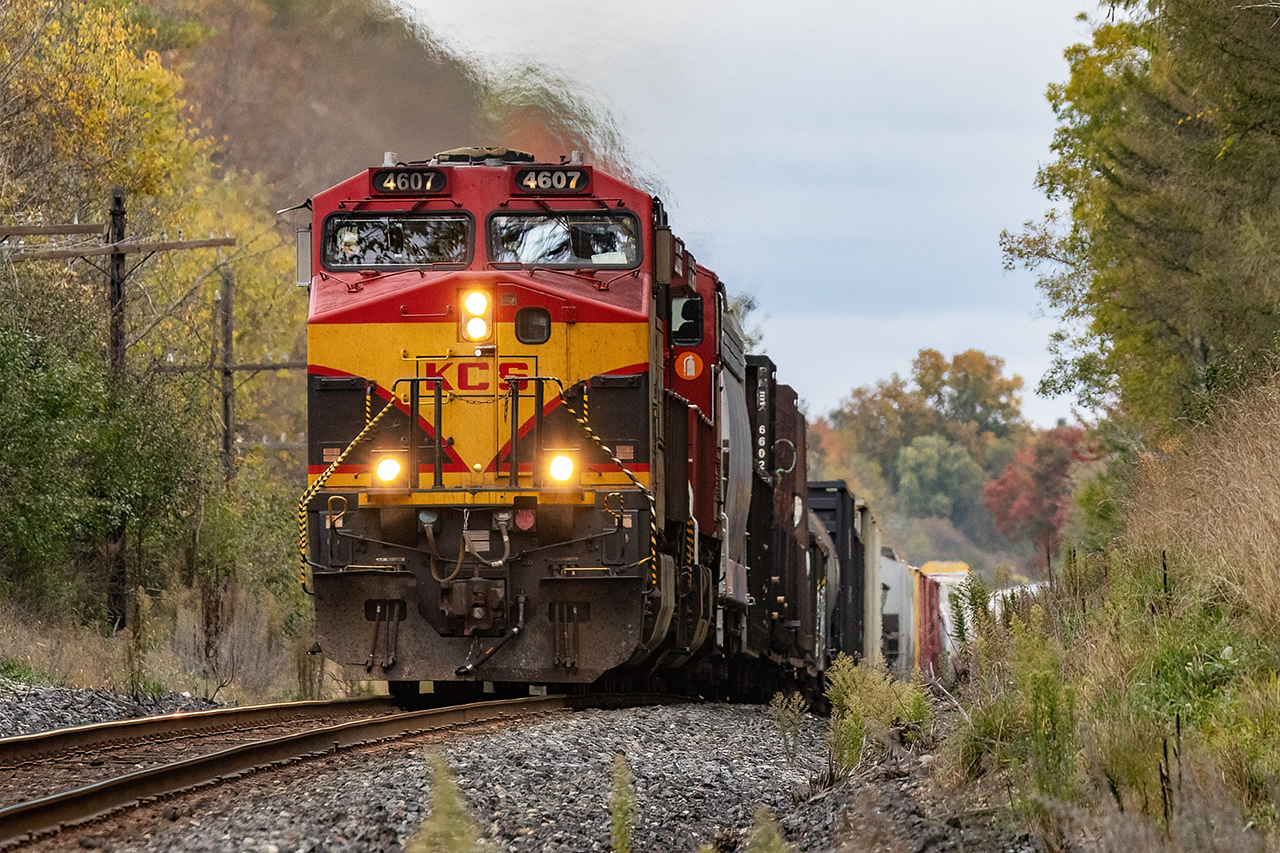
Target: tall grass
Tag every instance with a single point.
(1154, 654)
(1212, 504)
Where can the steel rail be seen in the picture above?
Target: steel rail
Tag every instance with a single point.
(22, 749)
(27, 821)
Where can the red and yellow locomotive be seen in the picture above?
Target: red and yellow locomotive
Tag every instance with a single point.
(539, 453)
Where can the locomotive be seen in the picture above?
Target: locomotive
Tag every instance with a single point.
(540, 455)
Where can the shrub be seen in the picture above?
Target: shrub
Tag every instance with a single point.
(867, 704)
(787, 713)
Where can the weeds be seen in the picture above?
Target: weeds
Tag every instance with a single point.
(1048, 708)
(1021, 712)
(765, 835)
(787, 713)
(449, 827)
(622, 805)
(137, 643)
(869, 706)
(16, 670)
(1204, 819)
(1152, 661)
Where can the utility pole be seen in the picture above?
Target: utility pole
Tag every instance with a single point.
(116, 274)
(225, 367)
(117, 571)
(226, 315)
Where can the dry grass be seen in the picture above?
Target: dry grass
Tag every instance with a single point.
(1212, 506)
(168, 647)
(1202, 819)
(1146, 676)
(233, 642)
(58, 655)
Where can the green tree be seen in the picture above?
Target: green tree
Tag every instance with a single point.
(1162, 257)
(937, 478)
(968, 399)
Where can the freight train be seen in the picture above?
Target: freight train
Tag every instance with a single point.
(540, 454)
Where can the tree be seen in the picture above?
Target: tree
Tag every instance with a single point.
(880, 421)
(1031, 501)
(1163, 257)
(937, 478)
(921, 448)
(85, 105)
(970, 390)
(967, 399)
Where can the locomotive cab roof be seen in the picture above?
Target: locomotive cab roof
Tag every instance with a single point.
(483, 155)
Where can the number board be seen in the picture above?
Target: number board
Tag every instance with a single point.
(558, 179)
(408, 181)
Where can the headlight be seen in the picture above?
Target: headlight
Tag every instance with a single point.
(475, 320)
(561, 468)
(388, 469)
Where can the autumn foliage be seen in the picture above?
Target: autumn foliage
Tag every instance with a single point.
(1032, 500)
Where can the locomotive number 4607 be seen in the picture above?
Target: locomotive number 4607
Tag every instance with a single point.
(553, 180)
(410, 181)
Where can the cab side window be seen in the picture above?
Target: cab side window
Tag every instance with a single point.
(686, 320)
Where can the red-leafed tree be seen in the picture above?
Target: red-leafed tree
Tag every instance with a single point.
(1031, 500)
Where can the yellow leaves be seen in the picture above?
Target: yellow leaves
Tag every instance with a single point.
(1200, 115)
(91, 103)
(89, 108)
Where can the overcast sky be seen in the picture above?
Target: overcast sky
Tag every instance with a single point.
(850, 164)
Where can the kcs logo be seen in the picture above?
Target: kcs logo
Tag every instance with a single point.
(475, 375)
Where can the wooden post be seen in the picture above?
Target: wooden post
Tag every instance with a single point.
(116, 272)
(226, 316)
(117, 572)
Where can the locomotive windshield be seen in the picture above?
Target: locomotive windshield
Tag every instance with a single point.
(565, 239)
(371, 241)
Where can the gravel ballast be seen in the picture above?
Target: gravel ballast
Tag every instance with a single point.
(701, 773)
(542, 786)
(25, 709)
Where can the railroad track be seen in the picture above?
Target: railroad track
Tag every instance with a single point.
(41, 746)
(35, 766)
(36, 818)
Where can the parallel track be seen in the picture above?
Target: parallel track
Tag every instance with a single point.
(25, 749)
(36, 818)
